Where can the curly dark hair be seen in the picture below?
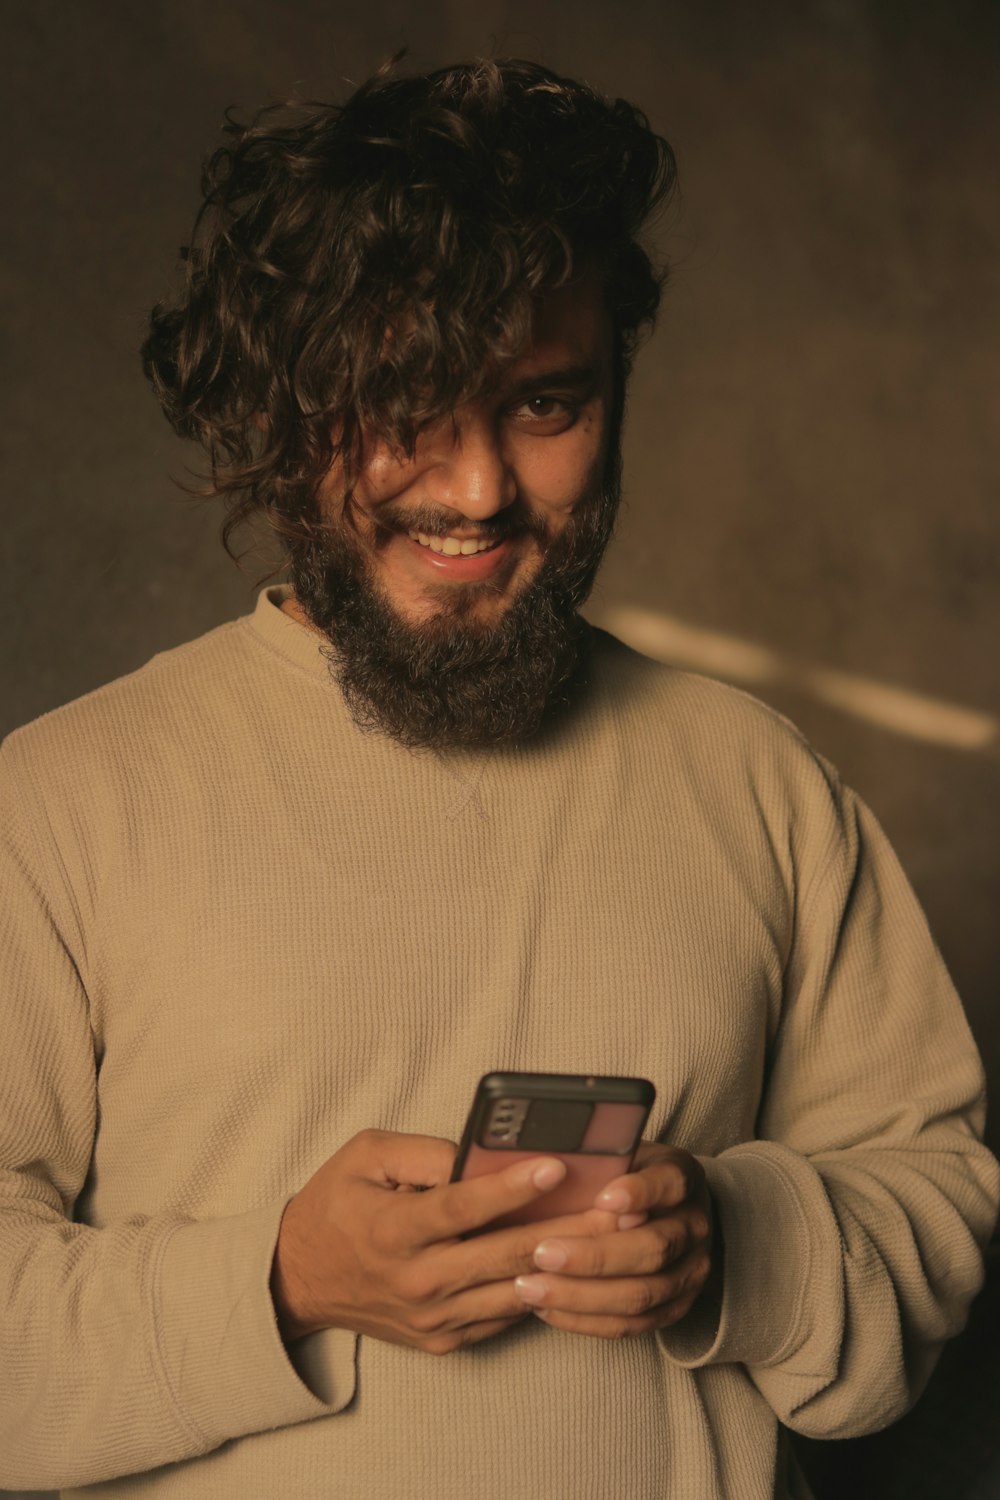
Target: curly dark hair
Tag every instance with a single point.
(357, 271)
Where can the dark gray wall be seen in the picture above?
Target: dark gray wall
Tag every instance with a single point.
(812, 447)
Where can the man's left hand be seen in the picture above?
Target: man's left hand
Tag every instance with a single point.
(647, 1274)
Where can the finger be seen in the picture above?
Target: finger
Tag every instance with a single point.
(491, 1304)
(628, 1296)
(643, 1297)
(642, 1251)
(447, 1341)
(497, 1303)
(460, 1207)
(631, 1221)
(611, 1326)
(665, 1182)
(504, 1253)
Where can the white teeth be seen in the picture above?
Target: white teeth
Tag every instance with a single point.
(450, 546)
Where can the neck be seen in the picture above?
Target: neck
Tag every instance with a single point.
(291, 606)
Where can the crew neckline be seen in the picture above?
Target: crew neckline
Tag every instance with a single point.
(304, 648)
(298, 643)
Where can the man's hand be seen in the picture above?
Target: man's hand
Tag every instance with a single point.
(646, 1273)
(361, 1247)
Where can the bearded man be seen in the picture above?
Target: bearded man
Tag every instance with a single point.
(275, 902)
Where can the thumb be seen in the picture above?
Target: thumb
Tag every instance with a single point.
(477, 1201)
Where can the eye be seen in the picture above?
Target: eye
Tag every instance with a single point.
(548, 413)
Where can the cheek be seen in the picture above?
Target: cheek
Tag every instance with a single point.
(382, 472)
(560, 476)
(383, 476)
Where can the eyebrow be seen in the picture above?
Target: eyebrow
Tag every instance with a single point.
(576, 377)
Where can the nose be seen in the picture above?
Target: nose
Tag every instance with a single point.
(466, 467)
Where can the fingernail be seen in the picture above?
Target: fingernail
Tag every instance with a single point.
(614, 1199)
(632, 1221)
(550, 1257)
(548, 1173)
(530, 1288)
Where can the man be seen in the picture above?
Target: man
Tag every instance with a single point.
(275, 902)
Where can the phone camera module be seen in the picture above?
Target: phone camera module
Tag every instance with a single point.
(504, 1122)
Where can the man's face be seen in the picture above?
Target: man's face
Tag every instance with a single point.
(534, 449)
(449, 593)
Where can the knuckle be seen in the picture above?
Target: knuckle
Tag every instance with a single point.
(441, 1343)
(426, 1320)
(589, 1258)
(452, 1214)
(640, 1298)
(421, 1287)
(388, 1235)
(681, 1184)
(368, 1139)
(660, 1257)
(676, 1310)
(421, 1284)
(524, 1247)
(522, 1240)
(690, 1282)
(698, 1225)
(383, 1235)
(668, 1249)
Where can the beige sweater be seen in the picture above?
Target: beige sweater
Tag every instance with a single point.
(235, 931)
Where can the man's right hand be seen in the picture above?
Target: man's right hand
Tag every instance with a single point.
(361, 1247)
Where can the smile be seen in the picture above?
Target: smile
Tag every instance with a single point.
(452, 546)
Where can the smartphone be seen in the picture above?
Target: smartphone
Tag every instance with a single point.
(593, 1124)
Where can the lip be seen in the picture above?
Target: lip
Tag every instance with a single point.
(462, 569)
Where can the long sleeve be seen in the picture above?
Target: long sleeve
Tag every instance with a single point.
(141, 1342)
(223, 953)
(853, 1225)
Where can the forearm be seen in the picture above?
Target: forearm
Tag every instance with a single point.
(137, 1345)
(841, 1280)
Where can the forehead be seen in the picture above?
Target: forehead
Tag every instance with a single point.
(571, 327)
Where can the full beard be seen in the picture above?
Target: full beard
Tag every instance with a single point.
(451, 681)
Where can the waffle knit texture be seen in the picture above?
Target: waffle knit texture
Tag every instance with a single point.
(236, 931)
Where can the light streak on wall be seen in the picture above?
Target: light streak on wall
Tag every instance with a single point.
(897, 709)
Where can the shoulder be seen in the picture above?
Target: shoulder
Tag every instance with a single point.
(114, 724)
(654, 697)
(730, 750)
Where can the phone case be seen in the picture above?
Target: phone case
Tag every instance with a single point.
(593, 1124)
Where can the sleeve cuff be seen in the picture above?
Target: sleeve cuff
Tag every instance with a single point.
(222, 1356)
(783, 1298)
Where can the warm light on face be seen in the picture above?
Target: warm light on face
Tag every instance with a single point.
(508, 470)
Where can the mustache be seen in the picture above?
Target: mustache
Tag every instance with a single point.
(515, 520)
